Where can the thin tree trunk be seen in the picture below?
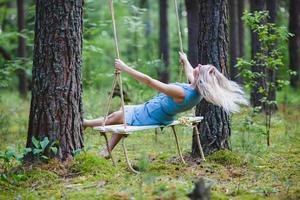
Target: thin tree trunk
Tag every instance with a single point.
(164, 41)
(192, 8)
(234, 39)
(256, 96)
(241, 7)
(22, 53)
(213, 49)
(294, 42)
(148, 28)
(56, 104)
(5, 54)
(272, 8)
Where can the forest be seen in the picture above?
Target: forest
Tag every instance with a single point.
(203, 97)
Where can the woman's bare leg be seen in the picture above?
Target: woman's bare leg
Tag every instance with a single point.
(113, 118)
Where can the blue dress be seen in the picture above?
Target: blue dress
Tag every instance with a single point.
(162, 108)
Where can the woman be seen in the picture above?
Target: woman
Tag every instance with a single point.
(205, 82)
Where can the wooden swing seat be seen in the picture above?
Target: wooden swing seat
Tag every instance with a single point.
(120, 129)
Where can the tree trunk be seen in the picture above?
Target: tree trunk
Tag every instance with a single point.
(163, 72)
(56, 104)
(234, 39)
(148, 28)
(256, 96)
(294, 42)
(22, 53)
(272, 8)
(241, 7)
(192, 8)
(213, 48)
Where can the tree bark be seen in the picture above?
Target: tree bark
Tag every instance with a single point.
(234, 39)
(163, 72)
(5, 54)
(148, 28)
(192, 8)
(213, 48)
(22, 53)
(56, 104)
(256, 96)
(294, 42)
(241, 7)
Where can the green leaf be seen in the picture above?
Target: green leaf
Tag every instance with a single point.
(45, 157)
(44, 143)
(37, 151)
(77, 152)
(35, 142)
(10, 154)
(3, 177)
(54, 150)
(18, 177)
(27, 150)
(20, 158)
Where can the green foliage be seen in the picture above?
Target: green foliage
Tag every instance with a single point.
(7, 159)
(40, 148)
(268, 58)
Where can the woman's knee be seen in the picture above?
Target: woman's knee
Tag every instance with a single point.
(115, 117)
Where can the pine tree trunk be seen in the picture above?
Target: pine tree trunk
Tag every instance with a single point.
(148, 28)
(56, 104)
(22, 53)
(213, 46)
(234, 39)
(192, 8)
(163, 41)
(241, 7)
(256, 96)
(294, 42)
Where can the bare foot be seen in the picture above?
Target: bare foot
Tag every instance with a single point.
(85, 124)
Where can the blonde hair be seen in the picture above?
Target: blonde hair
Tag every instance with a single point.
(217, 89)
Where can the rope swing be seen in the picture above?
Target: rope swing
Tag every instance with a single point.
(123, 129)
(118, 77)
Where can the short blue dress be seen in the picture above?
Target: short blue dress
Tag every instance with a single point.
(161, 109)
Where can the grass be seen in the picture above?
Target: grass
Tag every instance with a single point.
(250, 171)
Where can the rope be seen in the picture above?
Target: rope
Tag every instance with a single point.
(180, 39)
(178, 26)
(112, 11)
(109, 101)
(118, 77)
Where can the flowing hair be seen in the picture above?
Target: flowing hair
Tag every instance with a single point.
(218, 90)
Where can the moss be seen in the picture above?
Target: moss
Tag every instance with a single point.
(218, 196)
(90, 163)
(226, 157)
(38, 177)
(248, 197)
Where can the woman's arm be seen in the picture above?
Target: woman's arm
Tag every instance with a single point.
(188, 69)
(169, 89)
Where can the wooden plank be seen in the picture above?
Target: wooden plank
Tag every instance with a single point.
(119, 128)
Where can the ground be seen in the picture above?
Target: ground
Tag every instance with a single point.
(251, 170)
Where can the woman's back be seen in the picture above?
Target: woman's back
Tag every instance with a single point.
(163, 108)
